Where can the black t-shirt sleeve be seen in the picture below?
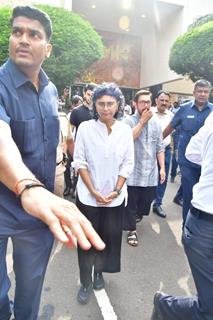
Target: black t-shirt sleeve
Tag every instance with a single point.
(73, 118)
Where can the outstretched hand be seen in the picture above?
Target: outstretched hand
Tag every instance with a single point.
(64, 219)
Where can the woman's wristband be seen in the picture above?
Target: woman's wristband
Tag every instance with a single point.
(118, 191)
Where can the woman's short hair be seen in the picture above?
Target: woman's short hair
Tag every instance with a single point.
(108, 89)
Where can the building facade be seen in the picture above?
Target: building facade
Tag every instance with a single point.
(138, 35)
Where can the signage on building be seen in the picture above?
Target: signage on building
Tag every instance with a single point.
(121, 62)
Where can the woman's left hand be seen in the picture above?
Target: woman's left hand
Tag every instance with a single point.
(100, 199)
(112, 195)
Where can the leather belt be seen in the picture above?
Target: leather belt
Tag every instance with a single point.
(201, 214)
(57, 164)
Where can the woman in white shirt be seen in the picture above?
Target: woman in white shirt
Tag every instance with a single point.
(104, 158)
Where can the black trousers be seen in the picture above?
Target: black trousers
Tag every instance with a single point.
(198, 244)
(67, 178)
(139, 203)
(107, 221)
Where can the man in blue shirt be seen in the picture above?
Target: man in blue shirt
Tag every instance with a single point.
(29, 213)
(190, 118)
(178, 199)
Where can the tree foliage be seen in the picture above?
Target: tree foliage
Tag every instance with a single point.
(191, 54)
(5, 13)
(201, 20)
(76, 45)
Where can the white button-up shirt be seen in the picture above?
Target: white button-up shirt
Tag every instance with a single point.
(106, 156)
(163, 119)
(200, 151)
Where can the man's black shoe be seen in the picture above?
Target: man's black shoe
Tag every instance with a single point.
(156, 313)
(73, 194)
(178, 201)
(67, 191)
(159, 211)
(84, 294)
(98, 281)
(138, 219)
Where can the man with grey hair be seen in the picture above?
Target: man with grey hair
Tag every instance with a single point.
(190, 118)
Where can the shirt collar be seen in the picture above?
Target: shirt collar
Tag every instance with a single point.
(115, 124)
(19, 78)
(136, 115)
(155, 110)
(205, 106)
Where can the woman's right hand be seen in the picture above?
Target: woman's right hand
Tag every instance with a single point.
(100, 199)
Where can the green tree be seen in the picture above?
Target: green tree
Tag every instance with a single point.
(76, 45)
(191, 54)
(5, 13)
(201, 20)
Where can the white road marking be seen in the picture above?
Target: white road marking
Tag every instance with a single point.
(155, 227)
(9, 260)
(57, 249)
(105, 305)
(9, 257)
(176, 229)
(183, 284)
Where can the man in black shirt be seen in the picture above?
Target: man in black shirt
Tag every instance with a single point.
(80, 114)
(85, 111)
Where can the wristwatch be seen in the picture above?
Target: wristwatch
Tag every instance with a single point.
(118, 191)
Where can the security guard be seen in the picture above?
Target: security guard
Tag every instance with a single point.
(65, 146)
(190, 118)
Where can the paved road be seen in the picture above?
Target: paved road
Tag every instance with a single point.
(157, 263)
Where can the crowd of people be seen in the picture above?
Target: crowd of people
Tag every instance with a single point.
(161, 134)
(115, 158)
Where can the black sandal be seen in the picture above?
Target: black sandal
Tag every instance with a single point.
(132, 238)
